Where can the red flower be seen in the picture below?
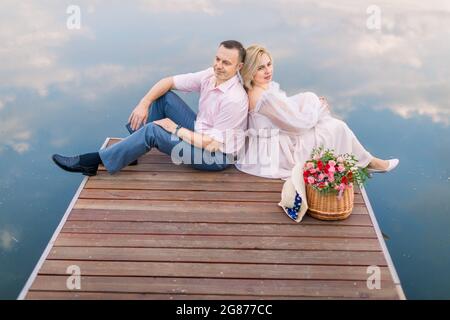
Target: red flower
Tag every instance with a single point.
(306, 173)
(326, 168)
(344, 180)
(350, 176)
(320, 165)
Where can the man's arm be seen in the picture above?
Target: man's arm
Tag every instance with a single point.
(199, 140)
(140, 113)
(189, 82)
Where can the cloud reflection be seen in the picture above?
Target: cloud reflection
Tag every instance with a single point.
(32, 35)
(401, 67)
(14, 134)
(177, 6)
(7, 239)
(326, 43)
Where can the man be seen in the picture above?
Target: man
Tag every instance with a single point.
(173, 128)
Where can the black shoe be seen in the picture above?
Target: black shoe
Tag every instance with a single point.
(134, 163)
(72, 164)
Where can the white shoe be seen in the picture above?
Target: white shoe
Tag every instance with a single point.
(393, 163)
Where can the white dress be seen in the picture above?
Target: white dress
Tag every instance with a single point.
(282, 132)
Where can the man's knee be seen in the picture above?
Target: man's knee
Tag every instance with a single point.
(153, 134)
(167, 97)
(157, 137)
(149, 134)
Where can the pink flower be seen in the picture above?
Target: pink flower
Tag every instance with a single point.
(309, 165)
(341, 168)
(313, 170)
(310, 180)
(340, 159)
(321, 176)
(316, 157)
(326, 183)
(332, 163)
(336, 187)
(331, 169)
(331, 177)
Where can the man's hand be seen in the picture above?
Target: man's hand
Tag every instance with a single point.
(167, 124)
(139, 115)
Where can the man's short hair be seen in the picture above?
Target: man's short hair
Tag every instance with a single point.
(233, 44)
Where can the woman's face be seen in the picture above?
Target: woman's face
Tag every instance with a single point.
(264, 71)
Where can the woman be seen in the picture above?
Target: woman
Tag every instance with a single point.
(284, 130)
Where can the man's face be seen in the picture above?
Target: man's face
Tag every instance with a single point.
(226, 63)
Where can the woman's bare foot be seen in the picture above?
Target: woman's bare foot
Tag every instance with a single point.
(378, 164)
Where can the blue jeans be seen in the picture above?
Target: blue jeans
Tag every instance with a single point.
(150, 136)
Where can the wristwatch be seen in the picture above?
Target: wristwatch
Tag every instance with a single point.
(176, 130)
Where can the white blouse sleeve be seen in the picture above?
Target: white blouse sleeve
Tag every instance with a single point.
(290, 114)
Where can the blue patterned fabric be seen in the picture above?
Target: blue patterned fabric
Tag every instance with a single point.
(293, 212)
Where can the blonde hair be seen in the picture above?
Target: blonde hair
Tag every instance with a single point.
(252, 62)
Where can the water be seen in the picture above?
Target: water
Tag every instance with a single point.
(64, 91)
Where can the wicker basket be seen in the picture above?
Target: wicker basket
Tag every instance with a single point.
(328, 206)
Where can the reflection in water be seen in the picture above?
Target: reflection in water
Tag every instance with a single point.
(64, 91)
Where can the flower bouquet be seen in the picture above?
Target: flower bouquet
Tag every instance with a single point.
(329, 183)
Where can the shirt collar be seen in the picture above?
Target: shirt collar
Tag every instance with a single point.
(224, 87)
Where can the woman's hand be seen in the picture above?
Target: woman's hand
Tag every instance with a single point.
(139, 115)
(325, 103)
(167, 124)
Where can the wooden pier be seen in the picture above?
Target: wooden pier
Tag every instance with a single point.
(162, 231)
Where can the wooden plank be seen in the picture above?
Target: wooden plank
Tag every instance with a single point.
(211, 216)
(200, 182)
(211, 270)
(185, 185)
(198, 176)
(167, 167)
(218, 207)
(197, 286)
(324, 231)
(305, 257)
(184, 195)
(195, 241)
(176, 195)
(77, 295)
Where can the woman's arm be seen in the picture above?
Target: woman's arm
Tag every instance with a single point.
(291, 115)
